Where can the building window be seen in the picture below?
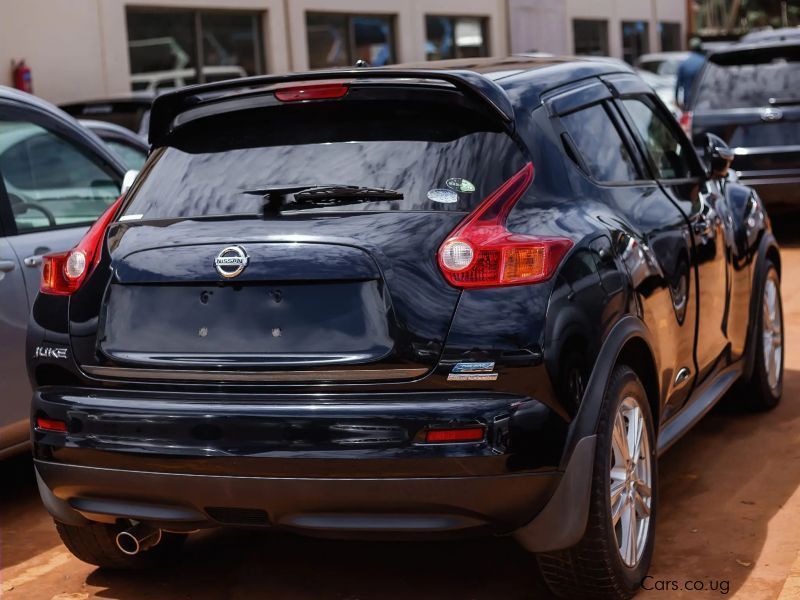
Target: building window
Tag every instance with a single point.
(455, 37)
(339, 40)
(635, 40)
(590, 37)
(670, 37)
(172, 48)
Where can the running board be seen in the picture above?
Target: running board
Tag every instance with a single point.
(701, 401)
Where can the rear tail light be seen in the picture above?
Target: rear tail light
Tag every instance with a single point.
(45, 424)
(64, 273)
(482, 253)
(686, 122)
(312, 91)
(456, 435)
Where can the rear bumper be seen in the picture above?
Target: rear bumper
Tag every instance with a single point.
(340, 467)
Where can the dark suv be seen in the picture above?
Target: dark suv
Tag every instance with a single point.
(403, 302)
(749, 95)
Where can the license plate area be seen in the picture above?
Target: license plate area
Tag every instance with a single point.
(247, 325)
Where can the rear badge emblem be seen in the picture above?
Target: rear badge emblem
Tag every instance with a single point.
(443, 196)
(472, 377)
(460, 185)
(771, 114)
(231, 261)
(473, 367)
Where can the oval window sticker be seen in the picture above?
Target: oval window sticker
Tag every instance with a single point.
(458, 184)
(443, 196)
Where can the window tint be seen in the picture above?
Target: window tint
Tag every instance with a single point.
(600, 144)
(49, 180)
(671, 155)
(434, 154)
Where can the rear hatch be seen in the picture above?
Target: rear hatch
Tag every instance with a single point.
(297, 242)
(751, 99)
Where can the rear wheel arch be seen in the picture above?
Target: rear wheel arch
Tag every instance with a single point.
(637, 355)
(627, 343)
(774, 256)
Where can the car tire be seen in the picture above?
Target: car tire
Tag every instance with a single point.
(95, 544)
(764, 389)
(599, 566)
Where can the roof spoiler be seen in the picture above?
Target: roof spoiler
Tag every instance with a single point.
(168, 106)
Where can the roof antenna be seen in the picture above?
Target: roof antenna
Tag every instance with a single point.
(361, 64)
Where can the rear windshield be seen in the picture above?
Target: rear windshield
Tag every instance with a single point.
(752, 81)
(431, 156)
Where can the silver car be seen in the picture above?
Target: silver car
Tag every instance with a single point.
(56, 178)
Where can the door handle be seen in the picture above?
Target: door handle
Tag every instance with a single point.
(6, 266)
(32, 261)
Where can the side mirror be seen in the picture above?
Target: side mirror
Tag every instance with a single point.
(718, 156)
(127, 181)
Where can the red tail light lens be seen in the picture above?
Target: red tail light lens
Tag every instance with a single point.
(464, 434)
(64, 273)
(482, 253)
(312, 91)
(686, 122)
(51, 425)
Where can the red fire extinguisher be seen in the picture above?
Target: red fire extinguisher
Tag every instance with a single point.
(23, 79)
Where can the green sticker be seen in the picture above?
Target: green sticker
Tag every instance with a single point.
(460, 185)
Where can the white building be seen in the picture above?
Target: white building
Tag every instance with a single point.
(79, 49)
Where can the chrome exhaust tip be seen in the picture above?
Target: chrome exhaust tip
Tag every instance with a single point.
(137, 539)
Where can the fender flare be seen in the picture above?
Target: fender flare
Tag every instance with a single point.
(585, 422)
(766, 244)
(563, 520)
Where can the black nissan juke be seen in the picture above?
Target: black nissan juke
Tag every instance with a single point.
(476, 297)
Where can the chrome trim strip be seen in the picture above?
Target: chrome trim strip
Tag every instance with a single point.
(254, 376)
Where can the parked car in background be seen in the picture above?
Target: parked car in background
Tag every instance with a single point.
(480, 296)
(782, 34)
(56, 178)
(749, 95)
(130, 147)
(130, 111)
(662, 63)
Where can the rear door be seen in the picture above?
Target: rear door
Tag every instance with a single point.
(52, 187)
(14, 391)
(680, 174)
(652, 241)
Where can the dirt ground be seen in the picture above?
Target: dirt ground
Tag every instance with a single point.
(729, 520)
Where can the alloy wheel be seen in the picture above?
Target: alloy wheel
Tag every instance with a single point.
(630, 481)
(772, 332)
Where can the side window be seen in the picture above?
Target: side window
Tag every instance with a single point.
(671, 156)
(50, 182)
(600, 144)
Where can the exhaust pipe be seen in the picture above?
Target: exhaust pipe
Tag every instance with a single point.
(137, 539)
